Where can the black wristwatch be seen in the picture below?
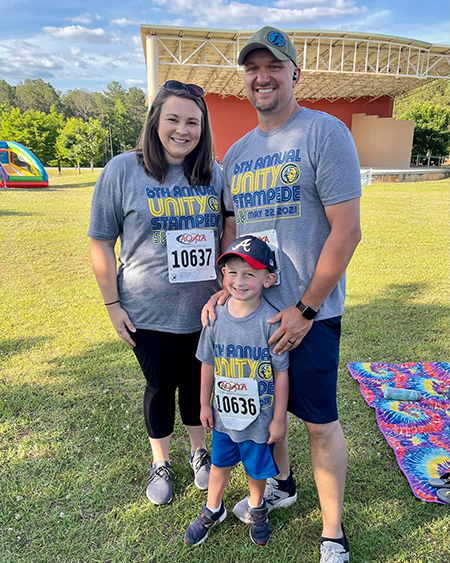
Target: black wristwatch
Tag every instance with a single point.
(308, 312)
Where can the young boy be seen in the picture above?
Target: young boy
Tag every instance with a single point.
(250, 384)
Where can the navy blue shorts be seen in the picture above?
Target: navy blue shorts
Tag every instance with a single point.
(257, 459)
(313, 373)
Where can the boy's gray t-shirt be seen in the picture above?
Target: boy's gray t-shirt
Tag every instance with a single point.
(135, 207)
(229, 338)
(281, 180)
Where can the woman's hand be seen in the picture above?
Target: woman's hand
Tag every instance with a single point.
(218, 298)
(122, 323)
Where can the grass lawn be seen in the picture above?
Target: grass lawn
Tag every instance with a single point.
(74, 456)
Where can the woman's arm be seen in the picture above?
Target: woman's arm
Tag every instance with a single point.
(104, 265)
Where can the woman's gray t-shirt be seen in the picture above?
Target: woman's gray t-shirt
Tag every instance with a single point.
(133, 206)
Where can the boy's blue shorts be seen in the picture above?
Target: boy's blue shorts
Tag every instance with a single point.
(313, 373)
(257, 459)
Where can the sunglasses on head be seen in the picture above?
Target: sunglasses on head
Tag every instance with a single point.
(176, 86)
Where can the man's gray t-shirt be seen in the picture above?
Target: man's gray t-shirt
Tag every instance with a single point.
(281, 180)
(237, 347)
(135, 207)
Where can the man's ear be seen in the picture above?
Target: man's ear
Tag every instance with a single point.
(270, 279)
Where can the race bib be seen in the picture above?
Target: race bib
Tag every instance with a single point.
(271, 239)
(236, 401)
(191, 255)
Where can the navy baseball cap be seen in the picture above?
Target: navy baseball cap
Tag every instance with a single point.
(253, 250)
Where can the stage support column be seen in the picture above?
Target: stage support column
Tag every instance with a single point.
(152, 68)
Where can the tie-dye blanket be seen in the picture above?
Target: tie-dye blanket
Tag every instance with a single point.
(418, 432)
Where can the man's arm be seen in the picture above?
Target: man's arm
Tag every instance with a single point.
(336, 254)
(219, 298)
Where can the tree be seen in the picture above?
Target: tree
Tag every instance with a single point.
(36, 95)
(33, 129)
(437, 92)
(80, 142)
(7, 94)
(96, 138)
(431, 131)
(78, 103)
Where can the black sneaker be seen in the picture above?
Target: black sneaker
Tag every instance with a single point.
(277, 495)
(260, 531)
(198, 530)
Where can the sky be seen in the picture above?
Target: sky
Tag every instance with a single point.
(87, 44)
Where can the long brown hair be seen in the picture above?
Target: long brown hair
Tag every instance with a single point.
(198, 164)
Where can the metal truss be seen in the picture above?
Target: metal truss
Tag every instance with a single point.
(334, 65)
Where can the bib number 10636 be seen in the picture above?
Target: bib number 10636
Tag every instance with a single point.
(236, 401)
(236, 405)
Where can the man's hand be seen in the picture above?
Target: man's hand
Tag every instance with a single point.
(121, 322)
(218, 298)
(294, 327)
(206, 417)
(277, 431)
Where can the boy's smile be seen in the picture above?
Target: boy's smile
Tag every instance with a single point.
(243, 282)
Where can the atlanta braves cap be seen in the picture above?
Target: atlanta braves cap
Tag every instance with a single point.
(253, 250)
(273, 39)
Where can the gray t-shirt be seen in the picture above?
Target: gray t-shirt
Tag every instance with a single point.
(133, 206)
(237, 347)
(281, 180)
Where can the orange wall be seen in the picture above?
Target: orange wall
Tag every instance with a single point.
(232, 118)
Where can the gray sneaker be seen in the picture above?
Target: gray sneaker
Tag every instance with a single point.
(159, 486)
(274, 496)
(201, 464)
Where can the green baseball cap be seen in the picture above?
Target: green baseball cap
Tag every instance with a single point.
(273, 39)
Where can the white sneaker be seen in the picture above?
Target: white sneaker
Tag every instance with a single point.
(333, 552)
(274, 497)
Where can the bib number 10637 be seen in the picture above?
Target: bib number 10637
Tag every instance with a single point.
(191, 258)
(191, 255)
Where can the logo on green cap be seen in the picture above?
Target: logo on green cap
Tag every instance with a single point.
(276, 38)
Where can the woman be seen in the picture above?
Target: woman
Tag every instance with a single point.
(163, 201)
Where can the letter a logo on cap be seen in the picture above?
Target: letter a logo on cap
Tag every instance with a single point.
(246, 245)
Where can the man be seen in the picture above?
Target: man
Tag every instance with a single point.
(294, 181)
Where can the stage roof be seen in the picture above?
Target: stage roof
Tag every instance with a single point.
(335, 64)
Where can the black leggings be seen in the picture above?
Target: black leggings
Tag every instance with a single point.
(168, 362)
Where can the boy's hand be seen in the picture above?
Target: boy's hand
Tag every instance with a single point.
(277, 431)
(206, 417)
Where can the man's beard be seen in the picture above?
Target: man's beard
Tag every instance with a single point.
(265, 108)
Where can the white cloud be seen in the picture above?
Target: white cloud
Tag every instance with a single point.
(81, 34)
(134, 82)
(240, 14)
(86, 18)
(122, 22)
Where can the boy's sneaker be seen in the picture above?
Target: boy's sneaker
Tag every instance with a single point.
(200, 462)
(276, 495)
(159, 486)
(260, 531)
(334, 551)
(198, 530)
